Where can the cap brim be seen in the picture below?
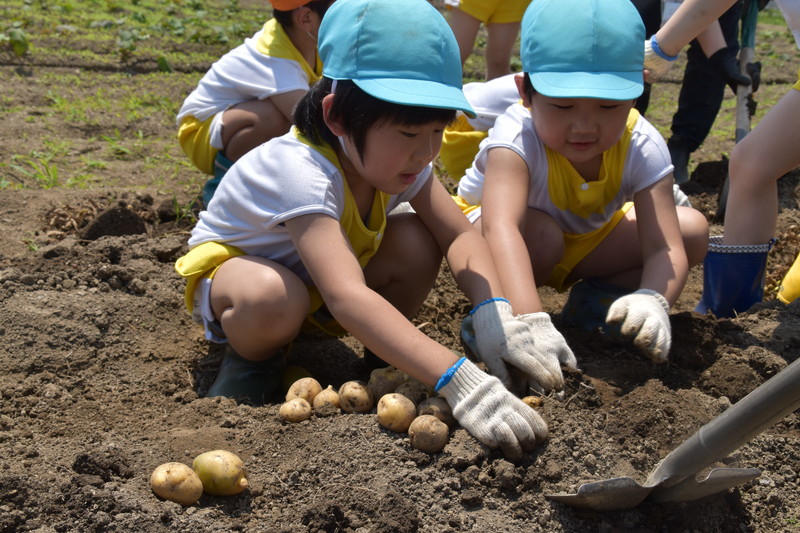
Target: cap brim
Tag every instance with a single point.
(602, 85)
(421, 93)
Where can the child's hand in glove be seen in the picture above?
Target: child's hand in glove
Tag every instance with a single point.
(503, 339)
(489, 412)
(644, 314)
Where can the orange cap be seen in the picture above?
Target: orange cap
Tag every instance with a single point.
(287, 5)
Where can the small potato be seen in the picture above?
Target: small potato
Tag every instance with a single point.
(414, 390)
(385, 380)
(221, 472)
(306, 388)
(428, 434)
(438, 407)
(533, 401)
(355, 397)
(395, 412)
(327, 396)
(295, 410)
(176, 482)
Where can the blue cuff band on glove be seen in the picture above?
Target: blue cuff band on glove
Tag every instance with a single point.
(658, 51)
(447, 376)
(490, 300)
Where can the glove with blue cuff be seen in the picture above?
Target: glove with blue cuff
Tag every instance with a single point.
(507, 343)
(644, 315)
(489, 412)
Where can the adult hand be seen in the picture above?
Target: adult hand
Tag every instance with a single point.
(645, 315)
(724, 61)
(490, 413)
(506, 343)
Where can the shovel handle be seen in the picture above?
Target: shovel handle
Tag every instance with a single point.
(763, 407)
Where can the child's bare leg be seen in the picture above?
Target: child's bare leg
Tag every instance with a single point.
(763, 156)
(499, 43)
(545, 241)
(406, 265)
(250, 124)
(617, 261)
(465, 28)
(260, 304)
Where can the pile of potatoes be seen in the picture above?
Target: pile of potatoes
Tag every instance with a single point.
(218, 472)
(404, 405)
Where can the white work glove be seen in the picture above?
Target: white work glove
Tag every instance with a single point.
(503, 339)
(489, 412)
(645, 314)
(548, 339)
(657, 63)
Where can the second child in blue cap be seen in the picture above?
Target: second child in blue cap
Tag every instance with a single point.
(304, 232)
(573, 188)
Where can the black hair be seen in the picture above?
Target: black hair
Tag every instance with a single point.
(284, 18)
(358, 112)
(527, 86)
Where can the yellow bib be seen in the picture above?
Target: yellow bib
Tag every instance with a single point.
(364, 239)
(570, 192)
(274, 42)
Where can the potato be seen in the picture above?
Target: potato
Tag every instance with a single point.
(428, 434)
(533, 401)
(306, 388)
(176, 482)
(438, 407)
(221, 472)
(414, 390)
(395, 412)
(328, 396)
(385, 380)
(295, 410)
(355, 397)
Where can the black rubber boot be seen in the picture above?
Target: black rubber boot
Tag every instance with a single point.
(251, 382)
(679, 152)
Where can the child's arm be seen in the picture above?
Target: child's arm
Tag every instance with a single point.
(286, 102)
(503, 340)
(645, 313)
(480, 402)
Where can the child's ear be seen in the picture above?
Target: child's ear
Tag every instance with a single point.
(519, 79)
(303, 18)
(333, 125)
(645, 75)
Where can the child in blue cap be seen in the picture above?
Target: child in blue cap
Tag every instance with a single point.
(574, 184)
(301, 232)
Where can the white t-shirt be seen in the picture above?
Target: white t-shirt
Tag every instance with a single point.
(490, 99)
(275, 182)
(243, 74)
(647, 161)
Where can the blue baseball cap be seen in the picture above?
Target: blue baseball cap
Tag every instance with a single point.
(399, 51)
(584, 48)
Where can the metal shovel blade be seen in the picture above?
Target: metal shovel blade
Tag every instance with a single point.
(674, 478)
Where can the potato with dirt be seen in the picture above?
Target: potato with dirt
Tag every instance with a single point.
(295, 410)
(221, 472)
(176, 482)
(396, 412)
(306, 388)
(428, 434)
(415, 390)
(438, 407)
(355, 397)
(327, 396)
(385, 380)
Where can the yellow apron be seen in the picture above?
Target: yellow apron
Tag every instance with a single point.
(204, 260)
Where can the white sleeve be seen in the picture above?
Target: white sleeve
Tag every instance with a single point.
(647, 160)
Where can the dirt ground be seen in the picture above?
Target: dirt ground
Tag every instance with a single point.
(102, 376)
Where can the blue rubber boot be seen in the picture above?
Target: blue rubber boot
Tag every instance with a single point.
(733, 277)
(221, 165)
(588, 303)
(251, 382)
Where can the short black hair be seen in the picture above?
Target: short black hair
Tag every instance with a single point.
(357, 111)
(284, 18)
(527, 86)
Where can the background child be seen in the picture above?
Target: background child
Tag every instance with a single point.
(501, 18)
(247, 96)
(554, 182)
(299, 233)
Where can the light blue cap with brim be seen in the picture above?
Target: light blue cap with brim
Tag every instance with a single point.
(584, 48)
(399, 51)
